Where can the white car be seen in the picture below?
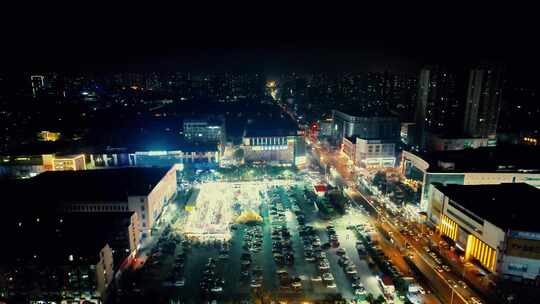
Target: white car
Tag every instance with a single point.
(180, 282)
(255, 284)
(331, 285)
(316, 279)
(350, 270)
(217, 289)
(324, 266)
(452, 283)
(328, 277)
(474, 300)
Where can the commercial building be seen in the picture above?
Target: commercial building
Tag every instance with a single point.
(367, 141)
(274, 145)
(483, 104)
(205, 129)
(64, 162)
(271, 149)
(365, 126)
(485, 165)
(375, 153)
(408, 133)
(369, 153)
(71, 257)
(493, 224)
(348, 147)
(196, 155)
(325, 128)
(144, 191)
(28, 165)
(453, 143)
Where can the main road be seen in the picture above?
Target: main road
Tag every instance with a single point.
(426, 265)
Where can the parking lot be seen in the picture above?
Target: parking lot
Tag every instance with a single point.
(291, 255)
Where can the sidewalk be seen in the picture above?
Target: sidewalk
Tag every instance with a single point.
(468, 274)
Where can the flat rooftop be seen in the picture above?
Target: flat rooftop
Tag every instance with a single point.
(371, 113)
(54, 237)
(270, 127)
(509, 206)
(505, 158)
(103, 185)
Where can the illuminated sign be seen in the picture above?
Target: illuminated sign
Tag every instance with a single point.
(269, 148)
(157, 153)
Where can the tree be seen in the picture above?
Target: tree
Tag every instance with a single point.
(238, 154)
(379, 178)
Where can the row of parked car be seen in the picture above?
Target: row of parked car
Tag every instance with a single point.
(211, 282)
(282, 250)
(176, 277)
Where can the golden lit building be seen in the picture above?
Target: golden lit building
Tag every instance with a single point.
(67, 163)
(48, 136)
(496, 225)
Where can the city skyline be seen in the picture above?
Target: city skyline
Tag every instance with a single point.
(385, 157)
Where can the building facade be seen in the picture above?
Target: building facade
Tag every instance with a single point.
(145, 191)
(366, 127)
(442, 143)
(348, 147)
(375, 153)
(200, 157)
(29, 165)
(207, 129)
(437, 108)
(482, 166)
(483, 104)
(488, 225)
(276, 150)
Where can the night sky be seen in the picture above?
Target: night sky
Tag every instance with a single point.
(272, 40)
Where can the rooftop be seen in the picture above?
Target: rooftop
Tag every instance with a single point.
(53, 238)
(351, 139)
(504, 158)
(509, 206)
(270, 127)
(106, 185)
(379, 113)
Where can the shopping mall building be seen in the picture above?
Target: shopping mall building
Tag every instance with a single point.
(482, 166)
(495, 225)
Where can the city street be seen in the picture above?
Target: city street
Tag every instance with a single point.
(440, 281)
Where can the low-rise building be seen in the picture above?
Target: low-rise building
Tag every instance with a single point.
(28, 165)
(68, 256)
(348, 147)
(272, 145)
(196, 155)
(369, 153)
(373, 153)
(493, 224)
(365, 125)
(145, 191)
(452, 143)
(485, 165)
(205, 129)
